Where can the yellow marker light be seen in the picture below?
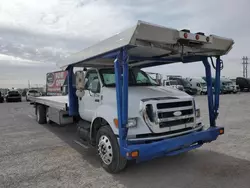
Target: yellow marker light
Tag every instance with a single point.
(133, 154)
(116, 123)
(221, 131)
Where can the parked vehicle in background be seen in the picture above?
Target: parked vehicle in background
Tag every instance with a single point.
(235, 86)
(173, 84)
(186, 85)
(1, 97)
(244, 83)
(13, 96)
(199, 84)
(226, 85)
(32, 93)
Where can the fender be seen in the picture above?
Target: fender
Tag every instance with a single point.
(108, 113)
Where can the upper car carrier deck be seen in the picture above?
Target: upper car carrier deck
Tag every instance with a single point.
(150, 45)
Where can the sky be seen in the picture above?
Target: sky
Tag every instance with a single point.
(35, 35)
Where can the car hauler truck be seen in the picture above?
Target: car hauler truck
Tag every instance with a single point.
(121, 111)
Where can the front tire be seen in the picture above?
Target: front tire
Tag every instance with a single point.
(109, 151)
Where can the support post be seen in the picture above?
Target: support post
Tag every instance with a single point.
(125, 93)
(73, 102)
(217, 87)
(209, 92)
(122, 98)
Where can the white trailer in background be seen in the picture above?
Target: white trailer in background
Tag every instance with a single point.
(120, 111)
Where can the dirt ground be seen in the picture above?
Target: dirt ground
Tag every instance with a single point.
(32, 155)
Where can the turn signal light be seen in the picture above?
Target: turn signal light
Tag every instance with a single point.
(133, 154)
(221, 131)
(116, 123)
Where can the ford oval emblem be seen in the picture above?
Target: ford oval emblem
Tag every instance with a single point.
(177, 113)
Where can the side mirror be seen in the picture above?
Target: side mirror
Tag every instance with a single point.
(80, 80)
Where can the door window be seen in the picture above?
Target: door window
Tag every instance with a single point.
(92, 79)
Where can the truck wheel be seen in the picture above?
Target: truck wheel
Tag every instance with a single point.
(109, 151)
(41, 114)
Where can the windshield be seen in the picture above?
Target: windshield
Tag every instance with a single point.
(185, 83)
(136, 78)
(227, 83)
(173, 82)
(13, 93)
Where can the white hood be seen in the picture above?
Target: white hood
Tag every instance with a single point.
(136, 94)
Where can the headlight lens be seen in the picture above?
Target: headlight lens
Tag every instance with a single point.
(132, 122)
(198, 113)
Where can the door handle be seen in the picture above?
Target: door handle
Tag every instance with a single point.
(97, 100)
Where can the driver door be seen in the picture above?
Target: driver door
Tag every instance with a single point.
(91, 100)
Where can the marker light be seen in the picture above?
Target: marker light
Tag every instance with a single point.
(221, 131)
(133, 154)
(116, 123)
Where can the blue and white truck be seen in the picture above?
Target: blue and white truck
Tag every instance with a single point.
(124, 113)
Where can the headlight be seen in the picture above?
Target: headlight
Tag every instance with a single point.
(197, 113)
(132, 122)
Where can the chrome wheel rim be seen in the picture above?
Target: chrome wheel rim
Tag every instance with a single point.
(105, 150)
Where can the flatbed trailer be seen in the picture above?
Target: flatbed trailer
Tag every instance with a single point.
(58, 102)
(144, 45)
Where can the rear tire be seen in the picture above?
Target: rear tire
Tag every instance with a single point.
(109, 151)
(41, 114)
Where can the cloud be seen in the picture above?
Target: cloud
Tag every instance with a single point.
(36, 33)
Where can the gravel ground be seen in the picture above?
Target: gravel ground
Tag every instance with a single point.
(32, 155)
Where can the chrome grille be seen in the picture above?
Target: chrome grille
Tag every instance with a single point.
(166, 114)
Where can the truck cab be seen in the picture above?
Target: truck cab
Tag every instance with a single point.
(186, 85)
(227, 85)
(173, 84)
(199, 84)
(155, 112)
